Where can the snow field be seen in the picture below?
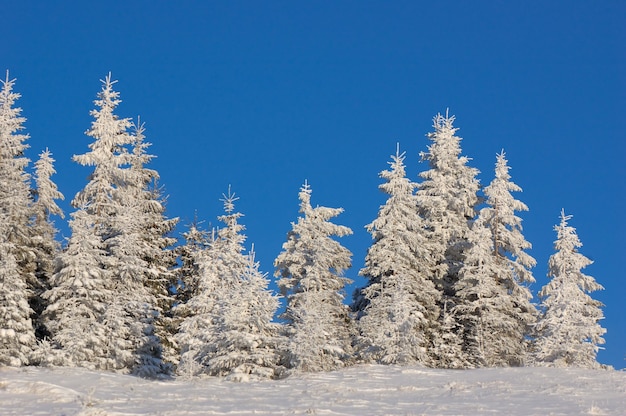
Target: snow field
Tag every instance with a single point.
(360, 390)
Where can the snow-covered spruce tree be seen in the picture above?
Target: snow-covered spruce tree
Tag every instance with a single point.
(494, 302)
(310, 267)
(140, 245)
(227, 329)
(83, 316)
(110, 253)
(44, 232)
(568, 333)
(247, 341)
(447, 199)
(399, 307)
(17, 256)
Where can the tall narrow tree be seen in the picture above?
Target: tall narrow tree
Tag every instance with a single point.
(17, 277)
(43, 233)
(399, 307)
(141, 246)
(494, 300)
(569, 332)
(94, 260)
(310, 268)
(447, 199)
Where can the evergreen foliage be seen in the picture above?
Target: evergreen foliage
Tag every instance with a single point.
(17, 255)
(494, 302)
(447, 284)
(117, 250)
(569, 333)
(227, 329)
(447, 199)
(310, 267)
(399, 307)
(43, 234)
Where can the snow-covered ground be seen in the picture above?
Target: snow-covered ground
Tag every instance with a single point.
(361, 390)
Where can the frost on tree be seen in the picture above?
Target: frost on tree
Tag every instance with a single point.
(568, 332)
(227, 330)
(17, 256)
(447, 199)
(140, 244)
(44, 232)
(399, 307)
(102, 283)
(310, 268)
(247, 341)
(493, 300)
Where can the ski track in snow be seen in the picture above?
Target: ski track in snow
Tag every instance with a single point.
(360, 390)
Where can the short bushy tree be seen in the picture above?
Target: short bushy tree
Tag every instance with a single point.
(310, 268)
(227, 328)
(569, 332)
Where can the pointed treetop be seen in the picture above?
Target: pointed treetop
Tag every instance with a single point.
(8, 81)
(305, 197)
(565, 218)
(444, 122)
(229, 201)
(107, 80)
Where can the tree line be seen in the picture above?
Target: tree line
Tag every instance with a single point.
(448, 272)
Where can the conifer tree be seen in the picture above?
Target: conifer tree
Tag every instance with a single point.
(310, 268)
(44, 232)
(141, 246)
(447, 199)
(399, 307)
(227, 330)
(17, 277)
(247, 341)
(568, 332)
(113, 251)
(494, 302)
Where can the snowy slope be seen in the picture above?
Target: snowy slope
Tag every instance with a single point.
(361, 390)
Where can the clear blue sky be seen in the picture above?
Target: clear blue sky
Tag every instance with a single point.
(263, 95)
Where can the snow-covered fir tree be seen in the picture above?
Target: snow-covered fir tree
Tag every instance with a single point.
(247, 341)
(447, 199)
(17, 256)
(569, 332)
(310, 267)
(141, 246)
(44, 232)
(83, 316)
(399, 307)
(227, 329)
(112, 252)
(493, 299)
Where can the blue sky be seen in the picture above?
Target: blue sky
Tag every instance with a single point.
(263, 95)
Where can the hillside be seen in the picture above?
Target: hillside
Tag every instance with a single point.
(371, 390)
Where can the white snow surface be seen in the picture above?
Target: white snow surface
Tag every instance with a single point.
(360, 390)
